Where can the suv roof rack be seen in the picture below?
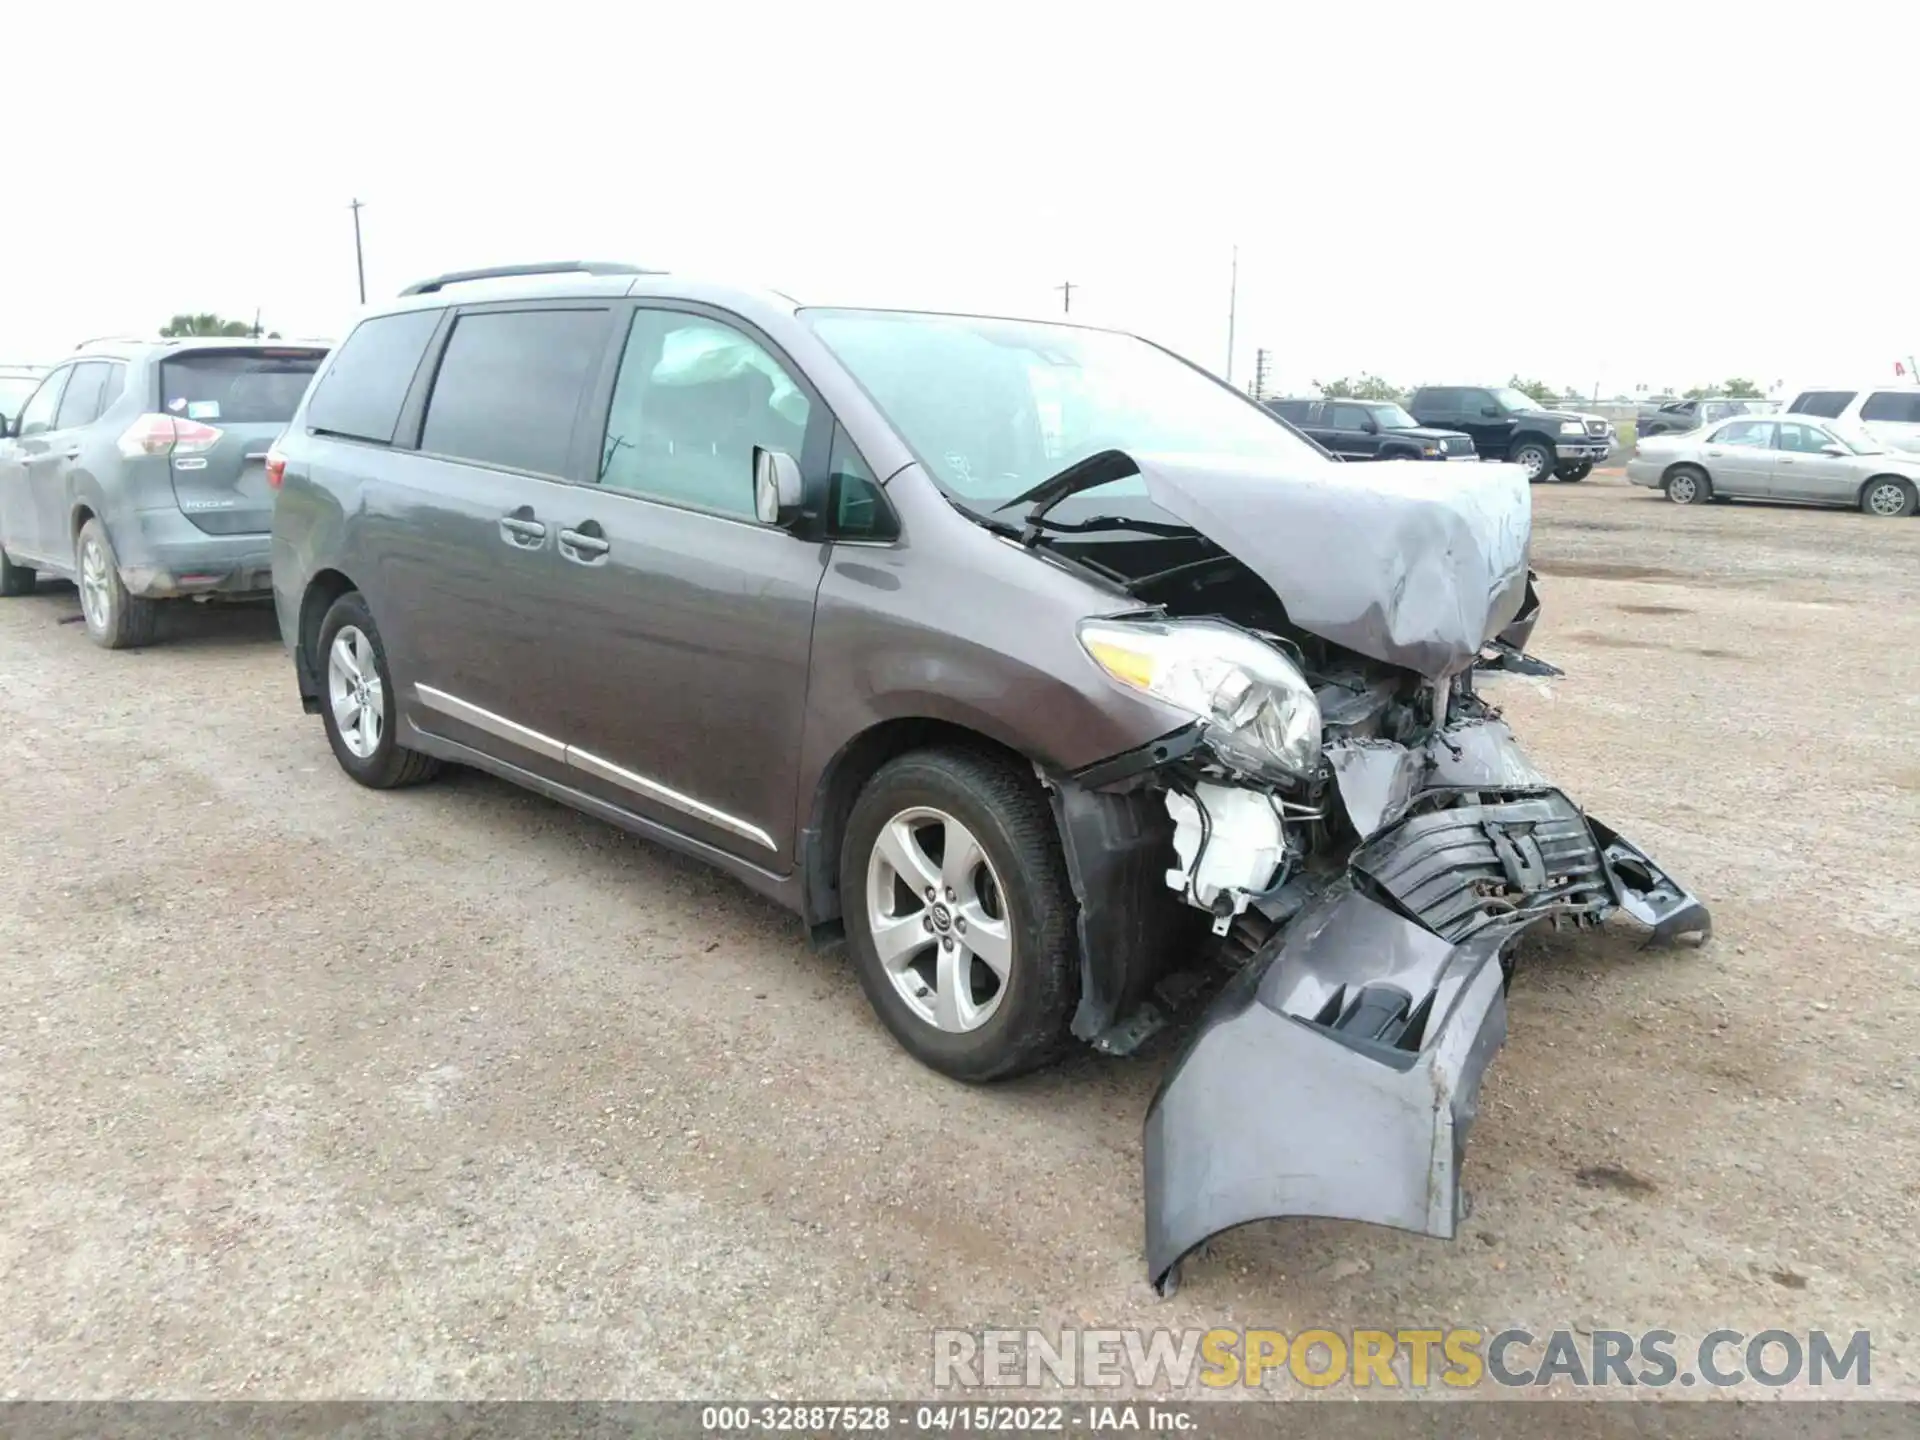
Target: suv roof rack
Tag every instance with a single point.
(116, 340)
(545, 267)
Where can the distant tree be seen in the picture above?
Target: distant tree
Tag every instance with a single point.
(1367, 387)
(1742, 390)
(1698, 392)
(205, 324)
(1537, 389)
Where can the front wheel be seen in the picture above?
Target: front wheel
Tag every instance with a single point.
(358, 704)
(1535, 459)
(1888, 497)
(116, 619)
(959, 915)
(1573, 474)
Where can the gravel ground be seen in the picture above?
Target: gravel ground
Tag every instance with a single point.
(309, 1091)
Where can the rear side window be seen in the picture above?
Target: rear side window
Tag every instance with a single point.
(361, 394)
(1440, 400)
(1825, 403)
(1899, 405)
(116, 385)
(1293, 410)
(82, 400)
(237, 387)
(510, 384)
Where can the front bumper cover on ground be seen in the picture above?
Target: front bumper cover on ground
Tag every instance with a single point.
(1338, 1074)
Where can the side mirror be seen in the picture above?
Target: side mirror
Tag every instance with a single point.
(1833, 450)
(777, 491)
(1370, 425)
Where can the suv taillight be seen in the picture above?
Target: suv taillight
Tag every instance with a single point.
(276, 468)
(167, 434)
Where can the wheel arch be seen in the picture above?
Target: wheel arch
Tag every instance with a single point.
(839, 786)
(324, 587)
(1533, 437)
(1860, 496)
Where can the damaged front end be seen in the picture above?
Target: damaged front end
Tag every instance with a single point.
(1353, 830)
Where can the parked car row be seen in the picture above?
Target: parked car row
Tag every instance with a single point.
(1678, 416)
(1049, 672)
(1458, 422)
(1786, 457)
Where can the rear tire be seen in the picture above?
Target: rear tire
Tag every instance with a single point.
(116, 619)
(1534, 458)
(963, 1015)
(15, 579)
(1888, 497)
(1574, 474)
(1688, 485)
(357, 702)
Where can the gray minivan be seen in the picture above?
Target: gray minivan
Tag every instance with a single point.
(137, 469)
(1045, 668)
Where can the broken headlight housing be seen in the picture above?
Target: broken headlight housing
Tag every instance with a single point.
(1259, 711)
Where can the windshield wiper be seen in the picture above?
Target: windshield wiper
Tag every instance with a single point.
(1036, 523)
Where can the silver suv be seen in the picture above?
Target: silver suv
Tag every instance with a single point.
(137, 469)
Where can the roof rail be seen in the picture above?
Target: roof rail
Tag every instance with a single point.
(116, 340)
(503, 272)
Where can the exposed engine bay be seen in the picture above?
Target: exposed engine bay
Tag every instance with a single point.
(1345, 844)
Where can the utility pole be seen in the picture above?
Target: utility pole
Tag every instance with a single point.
(1258, 389)
(1233, 305)
(256, 322)
(1066, 296)
(359, 259)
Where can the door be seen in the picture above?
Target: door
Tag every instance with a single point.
(229, 406)
(463, 531)
(20, 528)
(50, 476)
(1739, 457)
(1489, 430)
(1350, 435)
(683, 657)
(1803, 471)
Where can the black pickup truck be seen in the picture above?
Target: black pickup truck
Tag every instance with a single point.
(1372, 430)
(1508, 425)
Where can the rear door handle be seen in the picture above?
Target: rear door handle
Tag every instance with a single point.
(585, 549)
(520, 528)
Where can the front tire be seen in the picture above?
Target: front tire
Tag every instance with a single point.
(15, 579)
(959, 914)
(357, 701)
(1888, 497)
(1534, 458)
(1574, 474)
(1688, 485)
(116, 619)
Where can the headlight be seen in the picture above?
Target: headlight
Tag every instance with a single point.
(1573, 427)
(1259, 710)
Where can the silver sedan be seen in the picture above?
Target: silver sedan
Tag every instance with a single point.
(1791, 457)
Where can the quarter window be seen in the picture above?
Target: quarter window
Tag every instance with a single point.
(860, 511)
(38, 413)
(82, 400)
(510, 385)
(694, 396)
(361, 393)
(1901, 406)
(1827, 404)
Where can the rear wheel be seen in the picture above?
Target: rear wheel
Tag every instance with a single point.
(15, 579)
(959, 914)
(1534, 458)
(357, 701)
(1688, 485)
(1574, 473)
(116, 619)
(1888, 497)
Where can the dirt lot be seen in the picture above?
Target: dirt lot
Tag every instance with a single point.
(310, 1091)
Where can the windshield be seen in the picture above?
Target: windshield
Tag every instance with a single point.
(1855, 437)
(1392, 417)
(14, 390)
(993, 407)
(1516, 400)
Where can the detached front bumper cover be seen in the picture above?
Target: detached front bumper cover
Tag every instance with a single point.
(1339, 1074)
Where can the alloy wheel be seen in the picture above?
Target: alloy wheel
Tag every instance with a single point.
(937, 914)
(355, 692)
(1534, 462)
(96, 598)
(1682, 490)
(1887, 499)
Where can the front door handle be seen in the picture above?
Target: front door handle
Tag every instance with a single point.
(520, 528)
(583, 546)
(73, 454)
(1714, 453)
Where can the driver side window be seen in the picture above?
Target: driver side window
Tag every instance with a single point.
(694, 396)
(1474, 404)
(37, 414)
(1802, 439)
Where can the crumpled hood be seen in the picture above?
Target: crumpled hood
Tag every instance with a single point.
(1380, 558)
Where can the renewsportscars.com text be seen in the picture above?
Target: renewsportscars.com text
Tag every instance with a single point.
(1409, 1358)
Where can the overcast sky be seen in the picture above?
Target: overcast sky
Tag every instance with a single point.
(1610, 193)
